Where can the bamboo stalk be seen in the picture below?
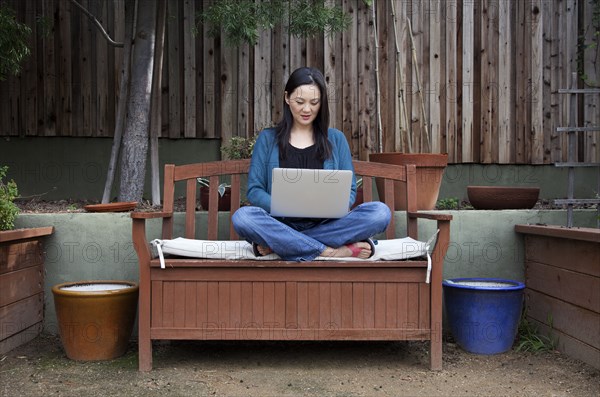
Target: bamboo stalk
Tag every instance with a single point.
(378, 88)
(403, 112)
(424, 122)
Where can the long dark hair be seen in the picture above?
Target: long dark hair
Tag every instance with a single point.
(303, 76)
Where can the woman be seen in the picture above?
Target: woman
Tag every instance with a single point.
(303, 139)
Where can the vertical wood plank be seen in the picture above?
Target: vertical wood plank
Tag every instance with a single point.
(281, 71)
(269, 304)
(179, 309)
(244, 106)
(557, 76)
(333, 72)
(418, 122)
(369, 305)
(547, 74)
(358, 305)
(212, 303)
(380, 305)
(325, 306)
(424, 308)
(402, 305)
(280, 305)
(489, 82)
(391, 297)
(403, 10)
(258, 309)
(314, 304)
(101, 91)
(168, 295)
(449, 112)
(435, 80)
(336, 304)
(157, 304)
(346, 305)
(263, 95)
(228, 85)
(191, 304)
(224, 304)
(235, 304)
(291, 305)
(297, 47)
(537, 80)
(202, 300)
(350, 88)
(468, 80)
(201, 6)
(314, 51)
(505, 87)
(571, 16)
(302, 308)
(173, 53)
(522, 80)
(591, 102)
(209, 84)
(247, 305)
(65, 76)
(189, 69)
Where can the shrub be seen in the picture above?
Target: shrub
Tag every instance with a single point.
(239, 147)
(8, 209)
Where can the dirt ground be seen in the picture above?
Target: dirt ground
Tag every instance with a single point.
(253, 369)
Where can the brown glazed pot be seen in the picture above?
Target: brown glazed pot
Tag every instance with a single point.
(224, 201)
(95, 325)
(430, 170)
(502, 197)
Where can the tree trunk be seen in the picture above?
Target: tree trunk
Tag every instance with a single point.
(156, 120)
(120, 120)
(137, 123)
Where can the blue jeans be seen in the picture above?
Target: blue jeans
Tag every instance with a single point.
(304, 240)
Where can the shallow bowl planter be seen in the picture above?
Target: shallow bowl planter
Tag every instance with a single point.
(483, 313)
(95, 318)
(502, 197)
(120, 206)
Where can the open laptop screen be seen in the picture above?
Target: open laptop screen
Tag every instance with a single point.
(308, 193)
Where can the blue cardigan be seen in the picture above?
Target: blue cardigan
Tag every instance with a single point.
(265, 157)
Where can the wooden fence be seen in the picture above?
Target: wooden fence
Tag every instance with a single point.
(489, 73)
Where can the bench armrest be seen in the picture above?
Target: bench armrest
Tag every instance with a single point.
(140, 241)
(151, 215)
(431, 215)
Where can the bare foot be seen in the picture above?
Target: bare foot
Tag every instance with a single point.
(264, 250)
(348, 251)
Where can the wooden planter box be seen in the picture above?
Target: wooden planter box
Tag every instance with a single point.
(563, 287)
(22, 286)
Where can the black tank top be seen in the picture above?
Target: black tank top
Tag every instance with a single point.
(301, 158)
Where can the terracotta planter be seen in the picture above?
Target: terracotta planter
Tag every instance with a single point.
(22, 285)
(430, 170)
(224, 201)
(95, 318)
(502, 197)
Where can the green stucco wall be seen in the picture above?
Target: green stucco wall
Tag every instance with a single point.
(75, 168)
(97, 246)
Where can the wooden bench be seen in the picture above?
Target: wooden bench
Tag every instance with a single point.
(206, 299)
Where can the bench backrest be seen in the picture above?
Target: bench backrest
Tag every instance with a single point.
(233, 170)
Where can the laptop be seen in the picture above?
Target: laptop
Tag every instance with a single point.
(307, 193)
